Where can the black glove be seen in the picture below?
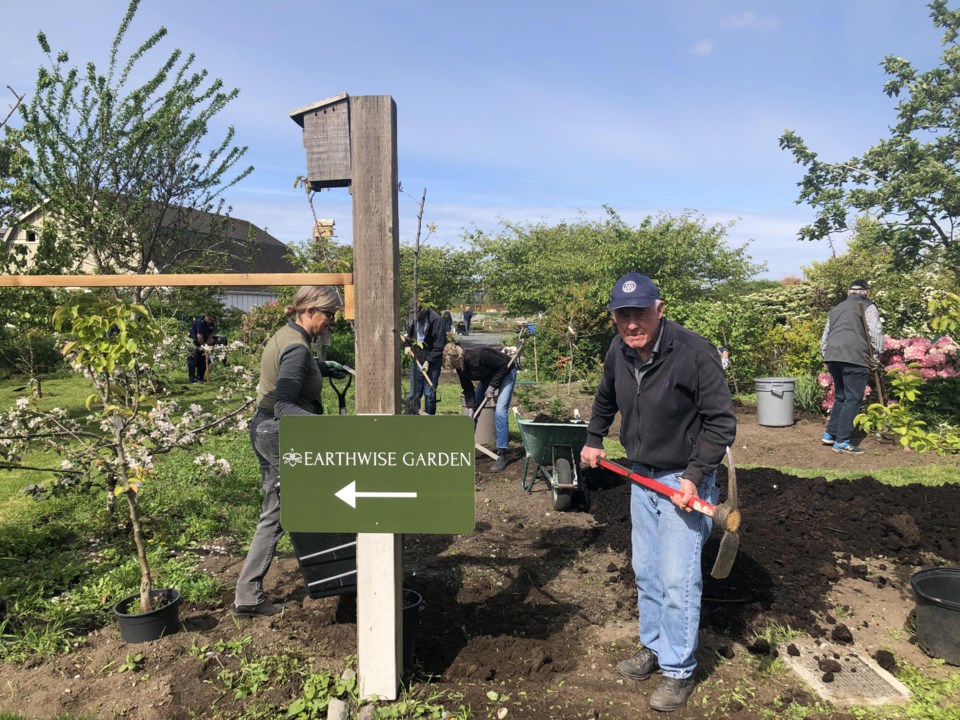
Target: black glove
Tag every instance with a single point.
(331, 369)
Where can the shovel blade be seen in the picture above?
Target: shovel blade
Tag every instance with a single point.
(726, 555)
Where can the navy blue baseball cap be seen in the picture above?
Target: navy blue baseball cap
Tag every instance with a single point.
(633, 290)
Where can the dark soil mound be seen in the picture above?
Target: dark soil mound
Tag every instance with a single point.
(798, 536)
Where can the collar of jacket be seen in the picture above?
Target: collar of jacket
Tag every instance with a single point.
(306, 335)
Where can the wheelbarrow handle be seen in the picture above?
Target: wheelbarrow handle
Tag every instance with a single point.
(694, 503)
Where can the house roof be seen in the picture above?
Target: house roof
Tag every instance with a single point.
(244, 247)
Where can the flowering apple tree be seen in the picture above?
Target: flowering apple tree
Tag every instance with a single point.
(124, 353)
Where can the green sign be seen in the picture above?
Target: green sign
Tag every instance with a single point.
(377, 473)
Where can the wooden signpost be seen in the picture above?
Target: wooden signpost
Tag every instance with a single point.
(352, 142)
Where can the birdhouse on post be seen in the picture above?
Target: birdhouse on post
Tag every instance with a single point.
(326, 137)
(323, 228)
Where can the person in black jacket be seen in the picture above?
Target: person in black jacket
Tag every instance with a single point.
(492, 371)
(201, 332)
(424, 343)
(676, 420)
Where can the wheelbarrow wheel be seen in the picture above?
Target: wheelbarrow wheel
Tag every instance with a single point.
(563, 475)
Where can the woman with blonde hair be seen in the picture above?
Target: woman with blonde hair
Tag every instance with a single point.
(291, 381)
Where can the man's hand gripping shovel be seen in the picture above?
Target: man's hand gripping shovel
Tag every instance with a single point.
(726, 514)
(420, 367)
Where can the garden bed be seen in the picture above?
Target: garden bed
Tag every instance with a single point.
(531, 612)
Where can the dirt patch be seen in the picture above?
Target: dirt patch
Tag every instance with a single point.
(538, 606)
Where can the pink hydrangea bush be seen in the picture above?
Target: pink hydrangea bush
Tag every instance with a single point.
(932, 359)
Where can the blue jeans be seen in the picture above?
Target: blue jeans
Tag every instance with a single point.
(413, 397)
(502, 418)
(667, 543)
(849, 382)
(419, 387)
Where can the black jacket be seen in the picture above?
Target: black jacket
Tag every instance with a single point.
(434, 338)
(484, 364)
(679, 416)
(201, 332)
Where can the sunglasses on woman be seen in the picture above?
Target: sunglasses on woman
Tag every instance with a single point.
(330, 314)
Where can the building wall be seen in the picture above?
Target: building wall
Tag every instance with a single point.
(246, 300)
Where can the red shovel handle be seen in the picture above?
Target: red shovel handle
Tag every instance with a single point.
(695, 503)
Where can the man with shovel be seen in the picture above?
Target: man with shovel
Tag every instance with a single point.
(676, 421)
(424, 343)
(493, 371)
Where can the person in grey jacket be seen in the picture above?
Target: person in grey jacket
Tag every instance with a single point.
(849, 351)
(291, 381)
(676, 421)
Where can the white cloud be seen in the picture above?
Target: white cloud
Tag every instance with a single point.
(702, 47)
(749, 21)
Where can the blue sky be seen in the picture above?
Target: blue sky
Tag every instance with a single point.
(533, 111)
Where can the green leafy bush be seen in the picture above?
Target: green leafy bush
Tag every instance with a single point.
(342, 348)
(260, 323)
(939, 402)
(808, 394)
(29, 352)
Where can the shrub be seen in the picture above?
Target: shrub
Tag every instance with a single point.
(260, 323)
(939, 402)
(807, 394)
(930, 359)
(31, 352)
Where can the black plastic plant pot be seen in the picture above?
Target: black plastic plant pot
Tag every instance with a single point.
(412, 602)
(937, 592)
(163, 620)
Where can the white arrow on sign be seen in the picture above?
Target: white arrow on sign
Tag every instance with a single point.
(349, 494)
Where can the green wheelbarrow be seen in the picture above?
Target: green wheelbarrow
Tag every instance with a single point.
(554, 450)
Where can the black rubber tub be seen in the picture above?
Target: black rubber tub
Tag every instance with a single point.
(937, 591)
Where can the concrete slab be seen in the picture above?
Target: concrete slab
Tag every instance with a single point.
(860, 681)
